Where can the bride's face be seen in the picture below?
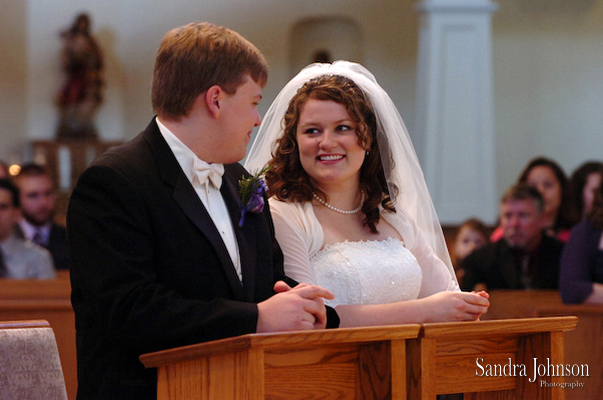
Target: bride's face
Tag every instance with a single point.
(328, 143)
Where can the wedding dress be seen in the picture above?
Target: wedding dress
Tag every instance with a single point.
(365, 272)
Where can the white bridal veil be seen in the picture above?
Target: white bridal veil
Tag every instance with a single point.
(407, 186)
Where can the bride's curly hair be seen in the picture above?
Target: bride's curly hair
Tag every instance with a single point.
(286, 178)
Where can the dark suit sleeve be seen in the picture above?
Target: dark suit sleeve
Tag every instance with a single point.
(117, 273)
(471, 266)
(58, 246)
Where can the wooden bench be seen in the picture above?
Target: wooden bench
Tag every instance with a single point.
(351, 363)
(582, 345)
(48, 300)
(378, 363)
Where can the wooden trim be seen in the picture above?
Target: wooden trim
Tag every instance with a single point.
(278, 340)
(26, 324)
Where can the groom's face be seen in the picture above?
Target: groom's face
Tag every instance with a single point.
(240, 115)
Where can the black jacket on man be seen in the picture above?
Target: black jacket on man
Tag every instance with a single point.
(150, 270)
(497, 266)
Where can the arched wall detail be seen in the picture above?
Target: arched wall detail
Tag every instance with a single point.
(324, 39)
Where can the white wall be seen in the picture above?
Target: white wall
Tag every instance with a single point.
(13, 79)
(547, 57)
(130, 32)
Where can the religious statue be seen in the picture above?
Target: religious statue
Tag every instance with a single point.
(81, 96)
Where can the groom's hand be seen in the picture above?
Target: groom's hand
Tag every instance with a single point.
(290, 309)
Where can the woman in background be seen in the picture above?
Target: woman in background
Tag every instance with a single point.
(581, 276)
(550, 180)
(584, 182)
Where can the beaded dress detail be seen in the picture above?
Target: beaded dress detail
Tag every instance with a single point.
(367, 272)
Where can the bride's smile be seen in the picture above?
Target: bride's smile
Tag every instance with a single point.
(329, 157)
(328, 143)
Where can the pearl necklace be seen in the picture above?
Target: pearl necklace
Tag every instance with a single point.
(354, 211)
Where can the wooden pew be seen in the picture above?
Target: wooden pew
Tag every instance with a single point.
(48, 300)
(351, 363)
(520, 303)
(582, 345)
(444, 359)
(377, 363)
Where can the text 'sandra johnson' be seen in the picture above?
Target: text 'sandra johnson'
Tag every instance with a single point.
(538, 369)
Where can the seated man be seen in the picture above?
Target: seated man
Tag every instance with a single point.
(38, 202)
(525, 258)
(19, 259)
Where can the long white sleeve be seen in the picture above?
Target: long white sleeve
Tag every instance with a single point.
(299, 234)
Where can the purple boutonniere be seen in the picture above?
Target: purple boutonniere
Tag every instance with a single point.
(252, 191)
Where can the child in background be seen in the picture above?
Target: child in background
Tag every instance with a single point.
(471, 235)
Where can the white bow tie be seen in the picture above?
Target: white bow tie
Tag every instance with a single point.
(204, 172)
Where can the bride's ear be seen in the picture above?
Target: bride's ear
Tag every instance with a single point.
(213, 98)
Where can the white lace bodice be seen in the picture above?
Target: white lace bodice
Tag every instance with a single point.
(367, 272)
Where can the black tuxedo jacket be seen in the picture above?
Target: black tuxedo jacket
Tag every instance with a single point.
(58, 246)
(496, 265)
(149, 270)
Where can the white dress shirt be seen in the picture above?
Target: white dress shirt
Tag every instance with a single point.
(210, 196)
(29, 231)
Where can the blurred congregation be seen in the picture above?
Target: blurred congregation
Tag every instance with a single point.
(512, 152)
(548, 234)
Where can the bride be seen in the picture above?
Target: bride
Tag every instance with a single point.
(350, 205)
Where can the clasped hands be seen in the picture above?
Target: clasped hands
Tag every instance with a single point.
(302, 307)
(451, 306)
(298, 308)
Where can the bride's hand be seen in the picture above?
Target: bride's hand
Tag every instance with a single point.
(455, 306)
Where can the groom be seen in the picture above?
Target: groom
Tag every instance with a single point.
(158, 257)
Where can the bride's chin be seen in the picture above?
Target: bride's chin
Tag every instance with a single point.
(324, 182)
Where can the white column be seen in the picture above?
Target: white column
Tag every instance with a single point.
(454, 133)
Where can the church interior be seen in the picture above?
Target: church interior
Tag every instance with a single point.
(534, 67)
(545, 70)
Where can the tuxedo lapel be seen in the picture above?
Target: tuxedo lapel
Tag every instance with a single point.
(246, 239)
(185, 196)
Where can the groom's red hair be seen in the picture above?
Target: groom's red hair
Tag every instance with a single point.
(197, 56)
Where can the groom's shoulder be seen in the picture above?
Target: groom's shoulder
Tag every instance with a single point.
(123, 157)
(134, 150)
(128, 153)
(130, 160)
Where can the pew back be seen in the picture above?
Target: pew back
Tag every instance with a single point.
(48, 300)
(582, 345)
